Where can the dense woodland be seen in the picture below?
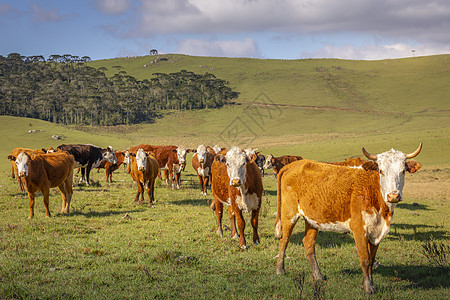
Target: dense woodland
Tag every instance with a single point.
(63, 89)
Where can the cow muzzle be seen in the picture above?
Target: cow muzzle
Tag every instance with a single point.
(23, 174)
(394, 197)
(235, 182)
(141, 168)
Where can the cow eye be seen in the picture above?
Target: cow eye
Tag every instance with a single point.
(381, 172)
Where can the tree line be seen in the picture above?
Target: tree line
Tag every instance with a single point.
(64, 89)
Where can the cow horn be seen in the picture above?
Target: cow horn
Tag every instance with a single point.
(415, 153)
(368, 155)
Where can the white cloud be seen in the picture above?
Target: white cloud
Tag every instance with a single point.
(230, 48)
(113, 7)
(42, 15)
(375, 52)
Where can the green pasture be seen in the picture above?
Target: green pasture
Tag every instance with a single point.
(327, 110)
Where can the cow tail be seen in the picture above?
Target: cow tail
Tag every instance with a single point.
(278, 229)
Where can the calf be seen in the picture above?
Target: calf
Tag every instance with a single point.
(342, 199)
(279, 162)
(88, 157)
(201, 162)
(44, 171)
(143, 168)
(110, 167)
(236, 181)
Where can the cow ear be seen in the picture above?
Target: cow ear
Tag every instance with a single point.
(109, 148)
(12, 157)
(44, 150)
(370, 166)
(174, 150)
(132, 154)
(413, 166)
(220, 158)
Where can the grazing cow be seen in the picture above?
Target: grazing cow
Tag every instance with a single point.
(88, 157)
(170, 158)
(109, 167)
(341, 199)
(44, 171)
(236, 181)
(143, 168)
(279, 162)
(14, 153)
(201, 162)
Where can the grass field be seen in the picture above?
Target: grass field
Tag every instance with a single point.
(110, 247)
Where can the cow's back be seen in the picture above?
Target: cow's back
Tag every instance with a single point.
(52, 167)
(220, 181)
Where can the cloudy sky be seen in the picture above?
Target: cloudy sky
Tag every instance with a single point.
(282, 29)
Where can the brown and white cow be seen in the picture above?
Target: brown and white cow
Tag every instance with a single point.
(110, 167)
(279, 162)
(170, 158)
(14, 153)
(341, 199)
(143, 168)
(236, 181)
(44, 171)
(201, 162)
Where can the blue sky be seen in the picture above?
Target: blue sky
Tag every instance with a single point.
(280, 29)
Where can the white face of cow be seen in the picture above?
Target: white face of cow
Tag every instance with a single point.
(181, 153)
(392, 166)
(201, 154)
(268, 163)
(236, 166)
(250, 152)
(110, 155)
(217, 148)
(22, 164)
(141, 160)
(126, 159)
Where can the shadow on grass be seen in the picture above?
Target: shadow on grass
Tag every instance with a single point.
(420, 232)
(195, 201)
(414, 206)
(426, 277)
(325, 239)
(102, 213)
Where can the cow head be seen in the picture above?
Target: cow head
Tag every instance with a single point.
(22, 162)
(392, 166)
(236, 162)
(251, 153)
(201, 154)
(217, 148)
(268, 164)
(126, 157)
(181, 154)
(110, 155)
(141, 160)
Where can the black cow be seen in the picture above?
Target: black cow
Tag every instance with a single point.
(260, 159)
(88, 157)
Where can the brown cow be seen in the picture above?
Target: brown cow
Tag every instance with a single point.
(350, 162)
(110, 167)
(143, 168)
(341, 199)
(279, 162)
(236, 181)
(201, 162)
(14, 153)
(170, 158)
(44, 171)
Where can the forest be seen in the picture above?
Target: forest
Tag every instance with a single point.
(63, 89)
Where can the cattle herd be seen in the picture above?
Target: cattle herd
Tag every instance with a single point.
(356, 195)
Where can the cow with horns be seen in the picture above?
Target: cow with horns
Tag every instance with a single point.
(342, 199)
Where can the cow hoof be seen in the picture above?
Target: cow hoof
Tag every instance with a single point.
(244, 247)
(219, 232)
(235, 236)
(281, 272)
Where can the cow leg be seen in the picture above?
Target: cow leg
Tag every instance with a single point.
(46, 194)
(240, 223)
(309, 242)
(149, 193)
(62, 189)
(83, 171)
(372, 253)
(88, 172)
(254, 221)
(363, 246)
(152, 182)
(284, 241)
(140, 190)
(31, 198)
(219, 213)
(234, 234)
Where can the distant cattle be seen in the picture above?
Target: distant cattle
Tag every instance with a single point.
(236, 181)
(279, 162)
(170, 158)
(14, 153)
(201, 162)
(342, 199)
(44, 171)
(109, 167)
(88, 157)
(259, 161)
(143, 168)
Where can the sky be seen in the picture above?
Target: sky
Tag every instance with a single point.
(266, 29)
